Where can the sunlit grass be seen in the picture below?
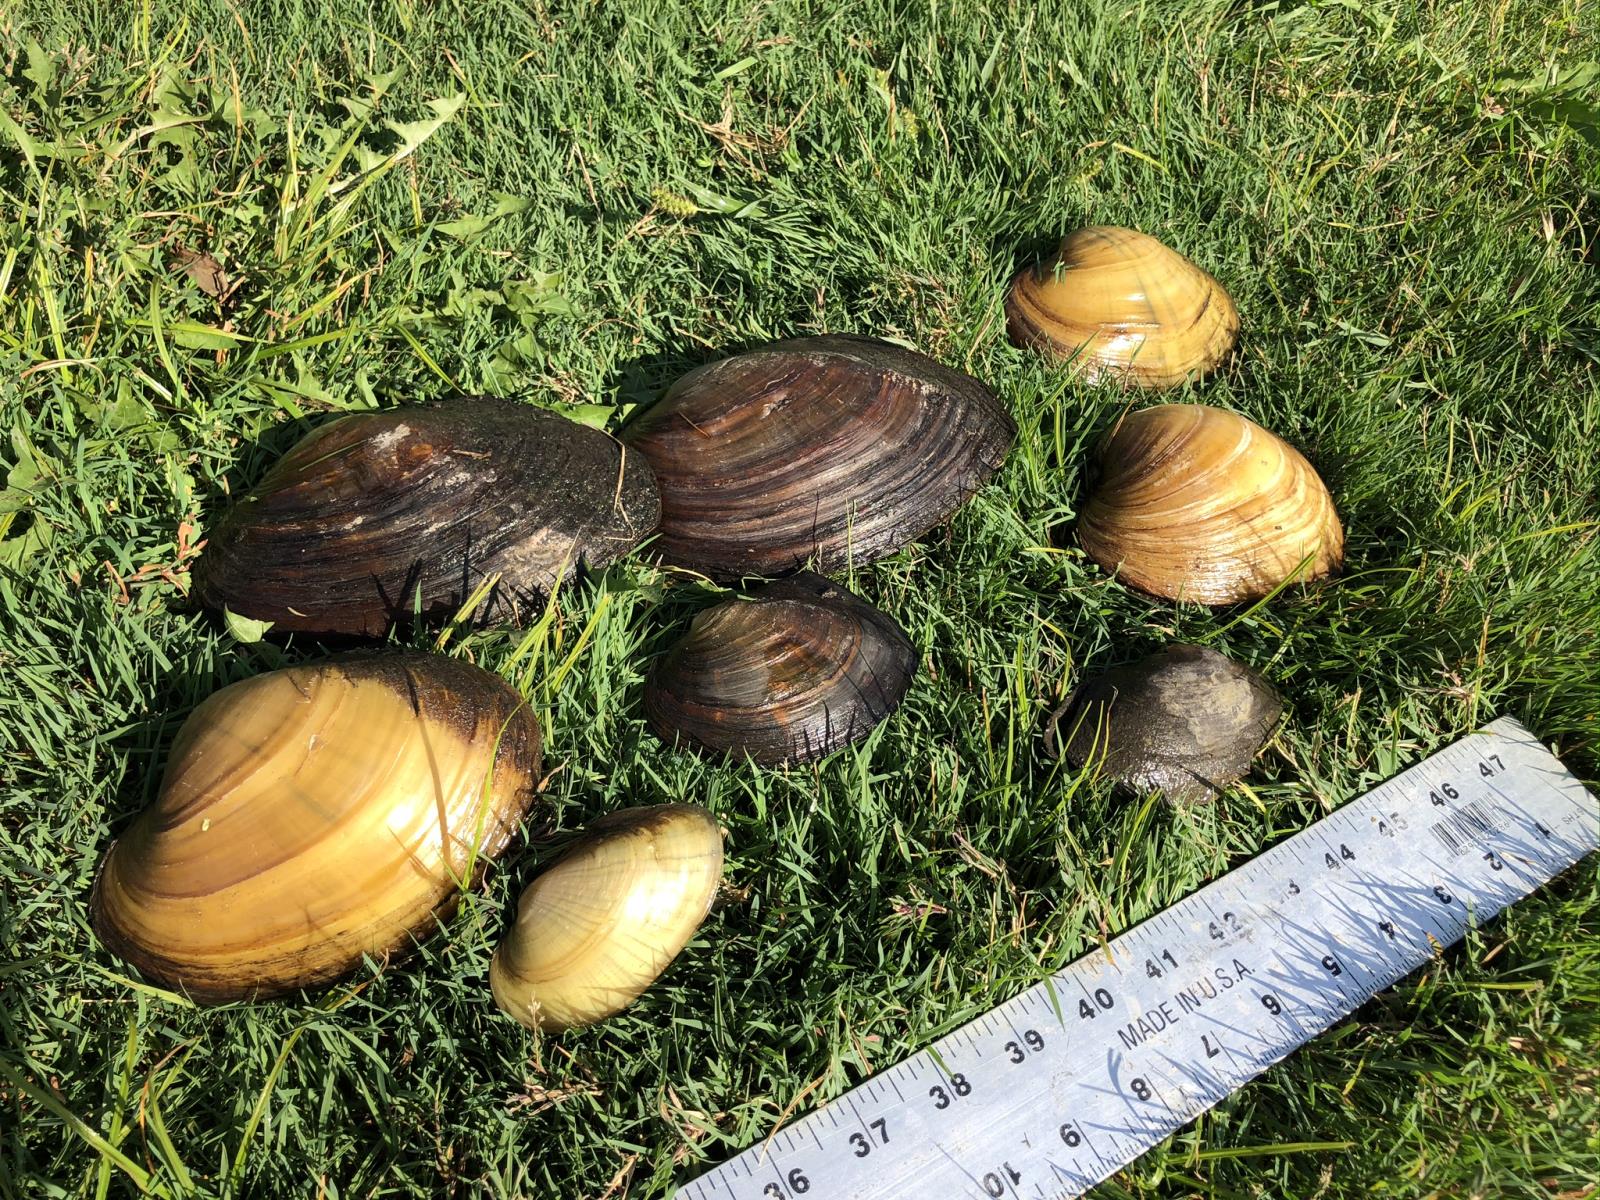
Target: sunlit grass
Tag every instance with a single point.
(576, 203)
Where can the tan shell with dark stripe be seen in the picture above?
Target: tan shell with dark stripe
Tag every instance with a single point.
(313, 815)
(1200, 504)
(830, 449)
(1122, 305)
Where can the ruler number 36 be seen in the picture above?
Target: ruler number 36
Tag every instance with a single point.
(799, 1185)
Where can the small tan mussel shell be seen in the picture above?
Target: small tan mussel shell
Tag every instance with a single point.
(1199, 504)
(597, 928)
(314, 815)
(1124, 306)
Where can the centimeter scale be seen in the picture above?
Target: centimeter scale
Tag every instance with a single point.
(1060, 1087)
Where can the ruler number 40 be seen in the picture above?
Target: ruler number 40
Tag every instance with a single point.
(1102, 998)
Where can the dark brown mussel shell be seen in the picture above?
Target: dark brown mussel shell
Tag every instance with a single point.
(828, 450)
(796, 671)
(378, 516)
(1186, 722)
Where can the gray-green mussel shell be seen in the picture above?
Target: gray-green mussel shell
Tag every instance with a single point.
(1186, 722)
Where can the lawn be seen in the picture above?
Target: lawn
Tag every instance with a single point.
(575, 203)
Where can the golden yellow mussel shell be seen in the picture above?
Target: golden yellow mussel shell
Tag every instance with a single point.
(1123, 306)
(313, 815)
(599, 926)
(1199, 504)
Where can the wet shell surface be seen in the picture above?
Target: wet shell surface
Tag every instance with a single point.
(1123, 306)
(829, 450)
(1202, 505)
(795, 672)
(313, 815)
(376, 514)
(1186, 722)
(597, 928)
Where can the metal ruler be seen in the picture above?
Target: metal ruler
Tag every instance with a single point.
(1060, 1087)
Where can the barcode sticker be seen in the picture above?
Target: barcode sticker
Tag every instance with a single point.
(1457, 831)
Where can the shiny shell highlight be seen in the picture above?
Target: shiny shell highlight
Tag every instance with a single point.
(1185, 722)
(830, 449)
(313, 815)
(1203, 505)
(377, 513)
(797, 671)
(597, 928)
(1123, 306)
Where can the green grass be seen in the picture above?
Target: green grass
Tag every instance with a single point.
(1402, 197)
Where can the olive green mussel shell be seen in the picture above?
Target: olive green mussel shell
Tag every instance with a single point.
(597, 928)
(823, 450)
(1185, 722)
(379, 514)
(1120, 305)
(795, 671)
(313, 815)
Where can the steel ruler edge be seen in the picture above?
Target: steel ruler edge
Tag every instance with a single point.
(1061, 1086)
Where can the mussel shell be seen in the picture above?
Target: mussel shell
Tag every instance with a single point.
(1123, 306)
(825, 449)
(597, 928)
(1185, 722)
(1203, 505)
(795, 672)
(313, 815)
(377, 513)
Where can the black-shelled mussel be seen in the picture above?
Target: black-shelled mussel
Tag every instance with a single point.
(378, 516)
(1186, 722)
